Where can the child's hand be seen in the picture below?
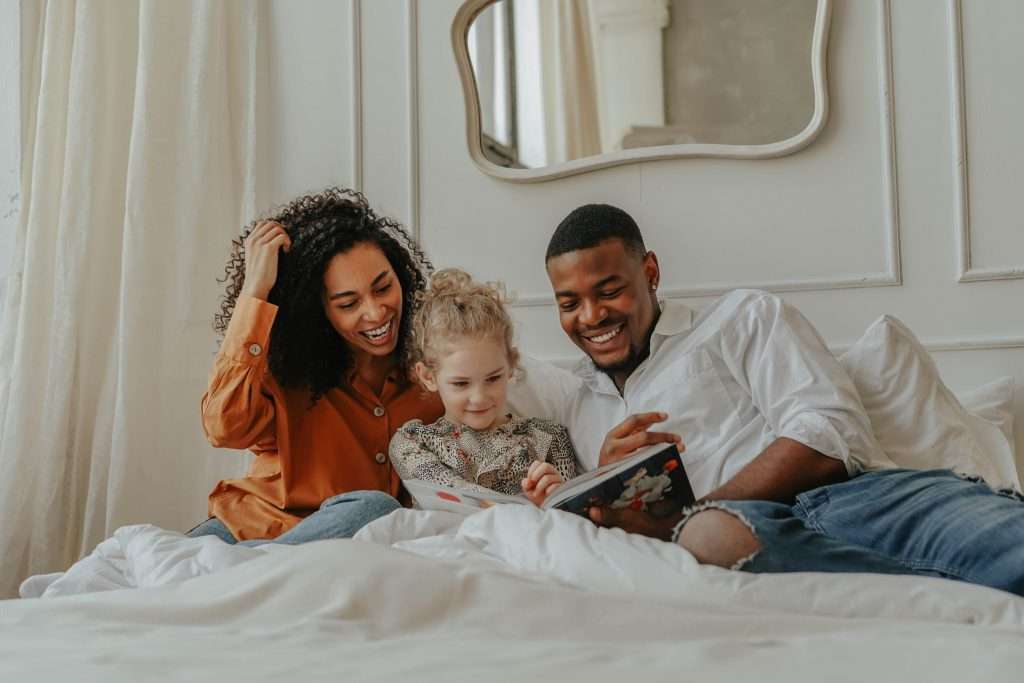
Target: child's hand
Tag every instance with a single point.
(541, 481)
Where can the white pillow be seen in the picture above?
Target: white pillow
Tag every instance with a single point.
(993, 402)
(918, 421)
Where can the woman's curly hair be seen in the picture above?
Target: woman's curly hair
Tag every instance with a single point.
(305, 350)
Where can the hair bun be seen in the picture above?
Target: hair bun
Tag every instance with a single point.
(450, 281)
(459, 286)
(454, 306)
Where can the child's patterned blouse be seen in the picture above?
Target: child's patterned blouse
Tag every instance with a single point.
(495, 459)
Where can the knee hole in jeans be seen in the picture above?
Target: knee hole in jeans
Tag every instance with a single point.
(719, 537)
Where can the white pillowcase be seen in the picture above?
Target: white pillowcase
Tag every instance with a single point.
(993, 402)
(918, 421)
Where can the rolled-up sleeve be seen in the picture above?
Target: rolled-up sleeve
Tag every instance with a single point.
(237, 410)
(795, 382)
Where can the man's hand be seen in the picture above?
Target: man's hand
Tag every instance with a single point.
(541, 481)
(636, 521)
(633, 433)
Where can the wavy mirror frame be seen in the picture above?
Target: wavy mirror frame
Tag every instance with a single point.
(819, 51)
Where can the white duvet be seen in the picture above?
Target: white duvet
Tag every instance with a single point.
(509, 593)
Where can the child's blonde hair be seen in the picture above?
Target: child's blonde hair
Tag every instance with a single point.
(456, 306)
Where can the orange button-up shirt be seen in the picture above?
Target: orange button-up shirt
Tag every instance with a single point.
(303, 454)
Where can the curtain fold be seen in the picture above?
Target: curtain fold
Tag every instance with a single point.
(140, 161)
(578, 77)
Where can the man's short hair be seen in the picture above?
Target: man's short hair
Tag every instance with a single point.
(591, 224)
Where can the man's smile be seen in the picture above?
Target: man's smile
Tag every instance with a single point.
(603, 337)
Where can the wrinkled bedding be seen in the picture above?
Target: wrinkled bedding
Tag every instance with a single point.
(506, 593)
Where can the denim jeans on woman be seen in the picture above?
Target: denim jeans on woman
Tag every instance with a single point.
(340, 516)
(932, 523)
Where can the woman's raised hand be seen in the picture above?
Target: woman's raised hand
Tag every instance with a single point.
(261, 251)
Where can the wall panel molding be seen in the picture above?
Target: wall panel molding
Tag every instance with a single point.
(952, 344)
(413, 100)
(966, 271)
(893, 274)
(356, 92)
(934, 345)
(974, 343)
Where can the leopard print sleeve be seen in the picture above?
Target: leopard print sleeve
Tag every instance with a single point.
(563, 455)
(560, 452)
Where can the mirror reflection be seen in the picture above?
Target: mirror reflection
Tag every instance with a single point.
(559, 80)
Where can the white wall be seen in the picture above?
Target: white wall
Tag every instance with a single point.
(894, 209)
(869, 219)
(311, 110)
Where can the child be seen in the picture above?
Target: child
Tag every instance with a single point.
(462, 342)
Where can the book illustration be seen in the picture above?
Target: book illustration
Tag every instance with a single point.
(431, 496)
(465, 498)
(643, 488)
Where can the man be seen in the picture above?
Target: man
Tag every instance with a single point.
(778, 447)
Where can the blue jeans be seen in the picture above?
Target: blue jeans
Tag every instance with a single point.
(931, 523)
(340, 516)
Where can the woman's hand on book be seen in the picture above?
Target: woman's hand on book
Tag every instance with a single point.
(633, 433)
(541, 481)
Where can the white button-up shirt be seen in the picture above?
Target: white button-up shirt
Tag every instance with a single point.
(748, 370)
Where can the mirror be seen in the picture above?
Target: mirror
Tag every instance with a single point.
(556, 87)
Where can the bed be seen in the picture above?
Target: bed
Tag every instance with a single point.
(514, 592)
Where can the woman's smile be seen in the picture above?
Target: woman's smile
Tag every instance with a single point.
(382, 335)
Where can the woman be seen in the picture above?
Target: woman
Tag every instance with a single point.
(311, 372)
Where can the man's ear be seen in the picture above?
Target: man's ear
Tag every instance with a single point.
(651, 270)
(426, 376)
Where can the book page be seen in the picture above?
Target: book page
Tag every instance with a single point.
(430, 496)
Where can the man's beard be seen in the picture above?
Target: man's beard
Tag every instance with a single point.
(627, 365)
(634, 357)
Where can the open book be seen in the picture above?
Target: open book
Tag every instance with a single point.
(651, 479)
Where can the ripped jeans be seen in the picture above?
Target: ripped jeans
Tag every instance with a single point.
(931, 523)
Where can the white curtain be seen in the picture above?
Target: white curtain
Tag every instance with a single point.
(139, 163)
(578, 91)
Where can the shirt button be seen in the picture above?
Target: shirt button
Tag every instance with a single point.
(380, 458)
(255, 349)
(378, 411)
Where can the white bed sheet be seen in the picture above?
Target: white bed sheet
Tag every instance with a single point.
(509, 593)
